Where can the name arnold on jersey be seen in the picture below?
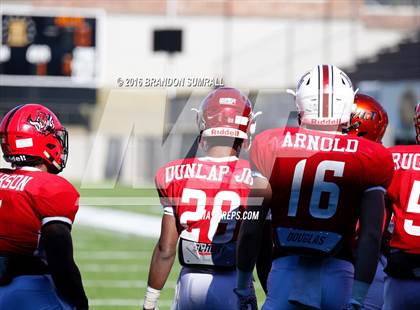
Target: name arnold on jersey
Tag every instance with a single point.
(14, 182)
(319, 143)
(216, 173)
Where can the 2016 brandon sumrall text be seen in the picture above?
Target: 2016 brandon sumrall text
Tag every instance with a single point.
(170, 82)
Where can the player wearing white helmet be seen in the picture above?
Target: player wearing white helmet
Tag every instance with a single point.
(317, 182)
(324, 97)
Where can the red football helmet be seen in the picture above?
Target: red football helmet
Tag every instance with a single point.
(417, 122)
(225, 112)
(32, 132)
(369, 120)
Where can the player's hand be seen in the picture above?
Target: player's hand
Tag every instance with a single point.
(246, 299)
(353, 305)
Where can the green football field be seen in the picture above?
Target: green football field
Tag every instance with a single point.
(114, 265)
(114, 268)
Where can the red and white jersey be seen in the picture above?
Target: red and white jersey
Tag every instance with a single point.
(30, 198)
(206, 195)
(404, 193)
(318, 179)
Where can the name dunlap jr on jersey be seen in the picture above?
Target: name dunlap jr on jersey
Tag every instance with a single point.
(216, 173)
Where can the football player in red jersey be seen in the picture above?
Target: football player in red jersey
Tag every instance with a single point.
(203, 200)
(317, 183)
(402, 286)
(37, 209)
(370, 121)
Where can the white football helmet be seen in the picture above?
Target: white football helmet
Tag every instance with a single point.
(325, 96)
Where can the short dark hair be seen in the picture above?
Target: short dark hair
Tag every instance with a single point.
(234, 143)
(30, 161)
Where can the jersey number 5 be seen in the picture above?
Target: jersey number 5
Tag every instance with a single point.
(413, 207)
(320, 186)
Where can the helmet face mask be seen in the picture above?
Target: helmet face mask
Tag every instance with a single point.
(370, 120)
(63, 137)
(417, 122)
(32, 134)
(324, 97)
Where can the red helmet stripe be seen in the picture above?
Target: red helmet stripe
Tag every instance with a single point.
(332, 91)
(8, 121)
(319, 91)
(325, 90)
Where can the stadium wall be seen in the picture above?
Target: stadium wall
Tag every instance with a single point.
(246, 52)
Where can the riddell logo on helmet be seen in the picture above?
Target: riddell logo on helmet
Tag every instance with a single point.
(224, 132)
(325, 121)
(19, 158)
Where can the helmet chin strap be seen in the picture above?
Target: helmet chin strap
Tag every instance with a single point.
(54, 164)
(202, 142)
(351, 127)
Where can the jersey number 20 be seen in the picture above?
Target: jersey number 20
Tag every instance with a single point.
(200, 196)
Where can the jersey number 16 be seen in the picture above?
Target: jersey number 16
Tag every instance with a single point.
(320, 186)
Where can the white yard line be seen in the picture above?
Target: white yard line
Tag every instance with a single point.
(110, 255)
(122, 283)
(112, 302)
(122, 201)
(119, 221)
(100, 268)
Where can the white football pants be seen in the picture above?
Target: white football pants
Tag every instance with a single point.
(202, 289)
(323, 284)
(401, 294)
(375, 297)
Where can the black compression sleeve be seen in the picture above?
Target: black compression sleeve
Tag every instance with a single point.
(371, 221)
(265, 255)
(56, 239)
